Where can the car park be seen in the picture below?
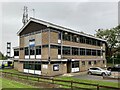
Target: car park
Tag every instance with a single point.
(98, 71)
(114, 68)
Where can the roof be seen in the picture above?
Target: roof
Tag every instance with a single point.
(48, 24)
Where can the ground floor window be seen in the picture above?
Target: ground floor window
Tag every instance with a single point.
(94, 62)
(89, 62)
(32, 65)
(83, 62)
(103, 62)
(75, 64)
(56, 67)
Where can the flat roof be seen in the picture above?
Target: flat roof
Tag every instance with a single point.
(48, 24)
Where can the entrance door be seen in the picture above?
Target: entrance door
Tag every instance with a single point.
(68, 67)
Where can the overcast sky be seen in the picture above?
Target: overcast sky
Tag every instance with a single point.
(81, 16)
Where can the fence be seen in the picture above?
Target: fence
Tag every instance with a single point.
(67, 83)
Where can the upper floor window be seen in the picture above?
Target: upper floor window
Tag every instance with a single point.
(74, 38)
(66, 50)
(66, 36)
(26, 51)
(74, 51)
(99, 52)
(82, 51)
(59, 50)
(16, 53)
(59, 35)
(94, 52)
(82, 39)
(32, 50)
(88, 51)
(38, 50)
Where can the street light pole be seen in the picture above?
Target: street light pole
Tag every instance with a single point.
(113, 60)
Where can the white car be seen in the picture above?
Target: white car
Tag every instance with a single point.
(99, 71)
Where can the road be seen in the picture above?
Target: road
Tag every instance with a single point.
(93, 77)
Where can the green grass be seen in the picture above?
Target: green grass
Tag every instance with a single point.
(6, 83)
(104, 83)
(10, 70)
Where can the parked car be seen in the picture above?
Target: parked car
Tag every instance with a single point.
(114, 68)
(99, 71)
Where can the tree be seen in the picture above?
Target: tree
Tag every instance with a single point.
(110, 35)
(2, 57)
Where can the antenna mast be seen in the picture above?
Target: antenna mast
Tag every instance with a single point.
(25, 15)
(33, 12)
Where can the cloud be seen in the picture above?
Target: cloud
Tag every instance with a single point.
(81, 16)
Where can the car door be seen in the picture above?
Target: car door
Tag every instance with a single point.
(98, 71)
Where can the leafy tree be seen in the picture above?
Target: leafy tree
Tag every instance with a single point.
(110, 35)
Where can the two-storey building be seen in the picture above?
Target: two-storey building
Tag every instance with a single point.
(49, 49)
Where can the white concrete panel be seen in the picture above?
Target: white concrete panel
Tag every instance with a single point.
(75, 69)
(16, 57)
(27, 57)
(59, 41)
(38, 56)
(31, 71)
(25, 70)
(59, 56)
(32, 56)
(38, 72)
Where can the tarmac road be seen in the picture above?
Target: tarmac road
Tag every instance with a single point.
(93, 77)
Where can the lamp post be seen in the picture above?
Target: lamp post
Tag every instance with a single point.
(113, 60)
(118, 38)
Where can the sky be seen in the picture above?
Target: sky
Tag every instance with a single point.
(86, 16)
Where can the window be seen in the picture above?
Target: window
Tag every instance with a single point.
(103, 62)
(99, 43)
(82, 51)
(89, 62)
(88, 40)
(59, 50)
(66, 36)
(59, 35)
(83, 62)
(93, 42)
(75, 64)
(32, 51)
(88, 51)
(94, 52)
(26, 65)
(74, 51)
(16, 53)
(66, 50)
(55, 67)
(26, 51)
(98, 52)
(74, 38)
(82, 39)
(54, 46)
(38, 50)
(32, 65)
(37, 66)
(44, 46)
(94, 62)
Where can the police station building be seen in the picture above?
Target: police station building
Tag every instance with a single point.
(49, 49)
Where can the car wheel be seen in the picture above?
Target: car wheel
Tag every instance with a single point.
(103, 74)
(90, 73)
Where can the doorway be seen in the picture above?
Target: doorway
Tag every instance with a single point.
(69, 67)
